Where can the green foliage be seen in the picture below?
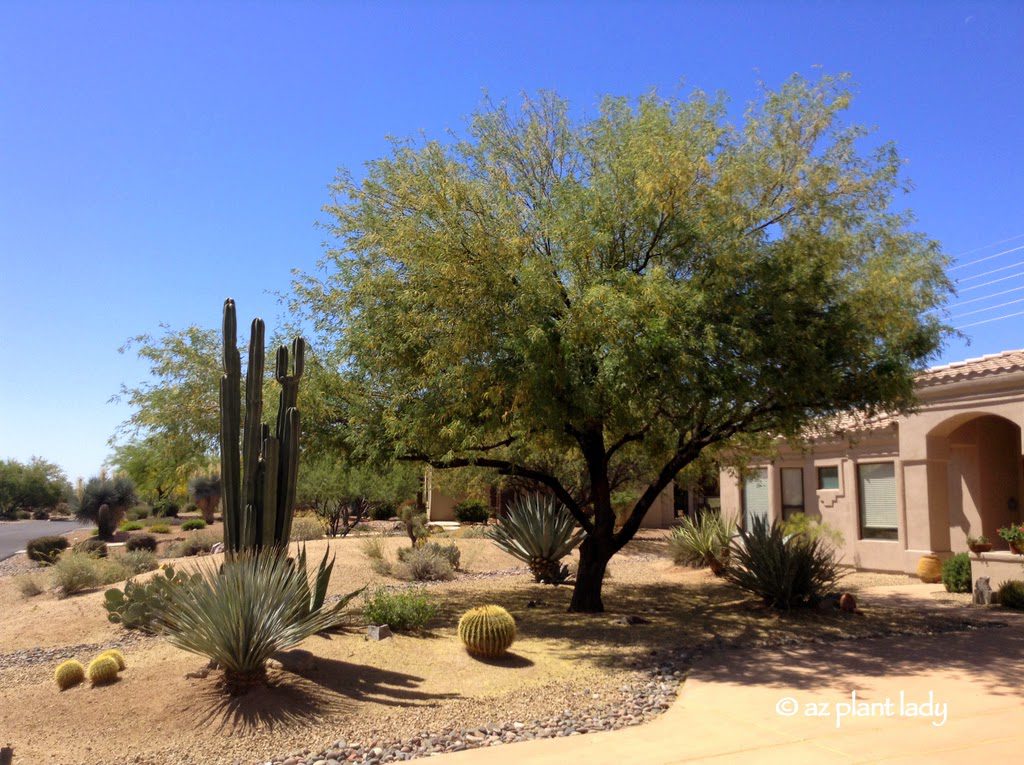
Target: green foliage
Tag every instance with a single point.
(130, 526)
(644, 284)
(487, 631)
(69, 674)
(540, 532)
(472, 511)
(141, 542)
(139, 561)
(242, 613)
(159, 528)
(166, 509)
(37, 484)
(193, 524)
(194, 544)
(956, 573)
(804, 525)
(46, 549)
(117, 494)
(95, 548)
(424, 563)
(1012, 534)
(75, 571)
(341, 492)
(138, 513)
(450, 552)
(784, 571)
(383, 511)
(702, 542)
(305, 528)
(136, 606)
(102, 670)
(403, 611)
(1011, 594)
(415, 523)
(205, 491)
(40, 515)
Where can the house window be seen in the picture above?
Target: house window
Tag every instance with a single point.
(828, 477)
(792, 480)
(755, 496)
(877, 482)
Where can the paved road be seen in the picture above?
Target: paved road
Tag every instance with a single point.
(15, 534)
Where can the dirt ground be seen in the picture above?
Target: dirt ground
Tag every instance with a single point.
(343, 686)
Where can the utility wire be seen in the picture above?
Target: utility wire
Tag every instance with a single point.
(988, 297)
(1018, 264)
(990, 244)
(989, 321)
(987, 257)
(993, 281)
(989, 308)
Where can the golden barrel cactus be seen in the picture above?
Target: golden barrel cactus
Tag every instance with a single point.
(102, 670)
(68, 674)
(116, 655)
(487, 631)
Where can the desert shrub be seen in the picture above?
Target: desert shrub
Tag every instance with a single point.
(47, 549)
(701, 543)
(141, 542)
(39, 514)
(137, 513)
(130, 526)
(415, 523)
(23, 515)
(77, 571)
(242, 613)
(1011, 594)
(540, 532)
(205, 492)
(382, 511)
(402, 611)
(422, 564)
(449, 552)
(93, 547)
(956, 573)
(165, 508)
(28, 585)
(193, 524)
(159, 528)
(472, 532)
(139, 561)
(784, 571)
(137, 605)
(374, 549)
(118, 494)
(802, 524)
(194, 544)
(305, 528)
(472, 511)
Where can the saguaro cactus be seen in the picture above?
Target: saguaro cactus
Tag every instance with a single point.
(258, 480)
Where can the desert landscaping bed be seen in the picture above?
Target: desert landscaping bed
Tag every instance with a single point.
(344, 698)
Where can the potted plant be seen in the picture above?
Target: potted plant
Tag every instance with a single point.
(979, 544)
(1014, 536)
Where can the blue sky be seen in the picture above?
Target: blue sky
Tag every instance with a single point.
(157, 157)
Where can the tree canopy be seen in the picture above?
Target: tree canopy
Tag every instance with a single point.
(556, 298)
(31, 485)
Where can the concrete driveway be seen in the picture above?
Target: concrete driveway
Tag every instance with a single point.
(862, 701)
(14, 535)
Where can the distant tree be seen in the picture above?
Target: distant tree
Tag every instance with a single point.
(37, 484)
(205, 491)
(159, 467)
(554, 299)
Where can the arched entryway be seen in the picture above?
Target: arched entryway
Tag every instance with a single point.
(983, 475)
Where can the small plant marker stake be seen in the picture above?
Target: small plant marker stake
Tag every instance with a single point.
(6, 755)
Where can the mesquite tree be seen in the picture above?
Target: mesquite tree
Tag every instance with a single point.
(571, 301)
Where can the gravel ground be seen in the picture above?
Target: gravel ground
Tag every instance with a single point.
(18, 564)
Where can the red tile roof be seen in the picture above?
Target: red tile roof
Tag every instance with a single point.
(971, 369)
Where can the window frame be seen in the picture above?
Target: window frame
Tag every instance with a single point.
(875, 533)
(839, 477)
(789, 510)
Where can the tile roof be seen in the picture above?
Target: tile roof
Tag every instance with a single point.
(971, 369)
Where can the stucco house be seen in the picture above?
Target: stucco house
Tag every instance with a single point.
(899, 487)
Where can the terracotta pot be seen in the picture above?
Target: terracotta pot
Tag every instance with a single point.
(929, 569)
(980, 548)
(1016, 548)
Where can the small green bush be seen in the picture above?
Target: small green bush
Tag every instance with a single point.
(39, 514)
(77, 571)
(165, 509)
(383, 511)
(23, 515)
(47, 549)
(193, 524)
(159, 528)
(472, 511)
(130, 526)
(137, 513)
(305, 528)
(139, 561)
(401, 611)
(700, 543)
(141, 542)
(96, 548)
(449, 552)
(802, 524)
(1011, 594)
(956, 573)
(422, 564)
(195, 544)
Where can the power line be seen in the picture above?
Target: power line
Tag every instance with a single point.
(986, 246)
(988, 297)
(987, 257)
(993, 271)
(989, 308)
(989, 321)
(993, 281)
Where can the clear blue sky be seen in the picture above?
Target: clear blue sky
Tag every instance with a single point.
(157, 157)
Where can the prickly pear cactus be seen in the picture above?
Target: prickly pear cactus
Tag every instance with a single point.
(487, 631)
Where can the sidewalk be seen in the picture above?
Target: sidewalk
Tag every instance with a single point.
(727, 710)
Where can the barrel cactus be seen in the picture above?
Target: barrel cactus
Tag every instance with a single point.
(116, 655)
(102, 670)
(487, 631)
(69, 673)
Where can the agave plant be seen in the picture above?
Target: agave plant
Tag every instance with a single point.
(702, 542)
(240, 614)
(540, 532)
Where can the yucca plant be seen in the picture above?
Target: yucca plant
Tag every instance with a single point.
(701, 543)
(784, 571)
(240, 614)
(540, 532)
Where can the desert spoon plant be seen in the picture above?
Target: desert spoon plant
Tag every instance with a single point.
(540, 532)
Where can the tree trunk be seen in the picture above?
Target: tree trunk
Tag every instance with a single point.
(586, 595)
